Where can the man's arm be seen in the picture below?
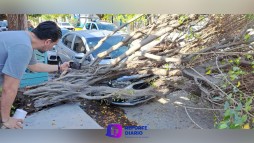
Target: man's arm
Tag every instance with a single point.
(9, 92)
(41, 67)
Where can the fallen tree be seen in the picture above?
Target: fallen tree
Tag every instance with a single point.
(210, 50)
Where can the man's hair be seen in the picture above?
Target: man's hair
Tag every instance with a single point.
(48, 30)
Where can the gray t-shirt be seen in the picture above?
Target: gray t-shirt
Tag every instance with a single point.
(16, 54)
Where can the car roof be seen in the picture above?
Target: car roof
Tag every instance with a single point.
(94, 33)
(100, 22)
(103, 22)
(4, 21)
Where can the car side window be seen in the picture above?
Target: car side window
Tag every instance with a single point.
(88, 26)
(67, 40)
(94, 26)
(79, 45)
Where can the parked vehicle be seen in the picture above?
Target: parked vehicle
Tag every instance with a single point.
(51, 55)
(100, 26)
(103, 26)
(3, 25)
(74, 45)
(66, 25)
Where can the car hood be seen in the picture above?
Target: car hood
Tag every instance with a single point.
(108, 61)
(105, 61)
(67, 26)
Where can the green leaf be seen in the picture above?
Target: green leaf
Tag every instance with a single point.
(235, 89)
(249, 101)
(240, 72)
(217, 98)
(224, 86)
(236, 68)
(248, 108)
(249, 56)
(231, 72)
(247, 37)
(226, 114)
(235, 126)
(223, 126)
(247, 105)
(244, 118)
(226, 105)
(223, 62)
(208, 72)
(232, 112)
(238, 84)
(229, 96)
(233, 77)
(239, 107)
(237, 119)
(237, 61)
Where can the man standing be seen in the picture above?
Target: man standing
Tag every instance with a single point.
(16, 54)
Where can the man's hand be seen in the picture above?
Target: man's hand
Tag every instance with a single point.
(65, 66)
(13, 123)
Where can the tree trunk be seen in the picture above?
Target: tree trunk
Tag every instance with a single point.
(3, 17)
(100, 16)
(17, 22)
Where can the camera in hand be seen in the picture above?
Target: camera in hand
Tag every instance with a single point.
(75, 65)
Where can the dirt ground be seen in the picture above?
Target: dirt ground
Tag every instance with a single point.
(106, 114)
(159, 113)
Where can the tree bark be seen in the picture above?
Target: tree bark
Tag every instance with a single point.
(17, 22)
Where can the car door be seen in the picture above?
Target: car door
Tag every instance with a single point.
(65, 47)
(94, 27)
(81, 48)
(87, 26)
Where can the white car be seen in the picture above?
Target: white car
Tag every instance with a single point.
(3, 25)
(103, 26)
(100, 26)
(74, 45)
(66, 25)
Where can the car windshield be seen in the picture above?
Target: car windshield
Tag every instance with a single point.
(3, 24)
(111, 41)
(65, 24)
(110, 27)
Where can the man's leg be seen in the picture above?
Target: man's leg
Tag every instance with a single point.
(1, 125)
(0, 100)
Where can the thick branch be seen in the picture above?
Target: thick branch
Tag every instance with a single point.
(105, 38)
